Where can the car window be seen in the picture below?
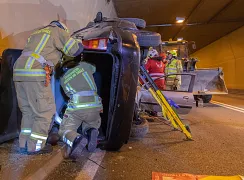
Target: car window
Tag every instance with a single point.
(181, 49)
(184, 84)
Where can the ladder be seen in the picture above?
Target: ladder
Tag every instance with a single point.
(168, 112)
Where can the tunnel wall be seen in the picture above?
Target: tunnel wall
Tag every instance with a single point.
(228, 53)
(18, 18)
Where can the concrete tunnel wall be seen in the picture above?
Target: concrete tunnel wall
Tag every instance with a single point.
(18, 18)
(228, 53)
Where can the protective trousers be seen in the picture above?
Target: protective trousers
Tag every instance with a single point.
(73, 119)
(37, 105)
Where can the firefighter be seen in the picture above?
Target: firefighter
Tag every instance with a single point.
(31, 76)
(173, 66)
(83, 109)
(155, 66)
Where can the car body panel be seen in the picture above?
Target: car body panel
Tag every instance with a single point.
(126, 56)
(183, 97)
(127, 53)
(10, 115)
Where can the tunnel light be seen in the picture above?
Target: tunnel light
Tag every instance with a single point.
(96, 44)
(180, 19)
(180, 39)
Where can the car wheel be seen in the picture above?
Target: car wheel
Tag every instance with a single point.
(139, 130)
(206, 98)
(140, 23)
(148, 39)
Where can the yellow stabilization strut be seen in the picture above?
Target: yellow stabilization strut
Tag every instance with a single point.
(167, 110)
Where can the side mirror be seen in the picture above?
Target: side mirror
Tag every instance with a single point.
(194, 46)
(99, 17)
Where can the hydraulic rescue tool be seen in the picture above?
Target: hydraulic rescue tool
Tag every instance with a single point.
(168, 110)
(48, 70)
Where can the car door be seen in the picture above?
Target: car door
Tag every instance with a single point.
(183, 96)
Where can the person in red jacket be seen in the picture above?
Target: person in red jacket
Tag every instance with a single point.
(155, 66)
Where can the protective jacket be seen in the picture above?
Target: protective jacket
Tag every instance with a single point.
(156, 69)
(44, 45)
(173, 81)
(78, 84)
(84, 105)
(173, 67)
(36, 102)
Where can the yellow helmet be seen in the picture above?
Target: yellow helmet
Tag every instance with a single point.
(173, 52)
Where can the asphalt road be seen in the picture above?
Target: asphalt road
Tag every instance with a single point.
(217, 149)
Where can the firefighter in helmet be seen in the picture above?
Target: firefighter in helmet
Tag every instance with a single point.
(173, 67)
(31, 75)
(155, 66)
(83, 109)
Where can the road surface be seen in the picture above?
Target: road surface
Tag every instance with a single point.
(217, 149)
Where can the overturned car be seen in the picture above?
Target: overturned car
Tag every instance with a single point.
(115, 47)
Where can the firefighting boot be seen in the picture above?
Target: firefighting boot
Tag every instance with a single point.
(23, 150)
(92, 135)
(46, 149)
(78, 145)
(66, 152)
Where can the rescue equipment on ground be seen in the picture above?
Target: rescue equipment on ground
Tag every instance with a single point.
(183, 176)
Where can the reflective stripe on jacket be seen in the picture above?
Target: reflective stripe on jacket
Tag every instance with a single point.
(173, 67)
(156, 75)
(78, 84)
(48, 43)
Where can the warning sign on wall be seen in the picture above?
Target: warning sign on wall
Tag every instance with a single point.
(184, 176)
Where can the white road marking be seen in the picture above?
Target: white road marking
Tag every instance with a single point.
(48, 167)
(90, 168)
(238, 109)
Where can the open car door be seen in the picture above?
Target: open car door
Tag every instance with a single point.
(183, 96)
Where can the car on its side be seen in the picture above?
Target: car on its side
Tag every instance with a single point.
(116, 46)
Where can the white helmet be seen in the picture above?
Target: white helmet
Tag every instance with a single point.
(152, 53)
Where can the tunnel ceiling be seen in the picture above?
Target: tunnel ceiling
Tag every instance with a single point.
(214, 18)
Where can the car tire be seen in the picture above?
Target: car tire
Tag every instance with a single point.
(140, 23)
(206, 98)
(148, 39)
(139, 130)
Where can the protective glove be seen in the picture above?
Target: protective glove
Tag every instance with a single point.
(67, 58)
